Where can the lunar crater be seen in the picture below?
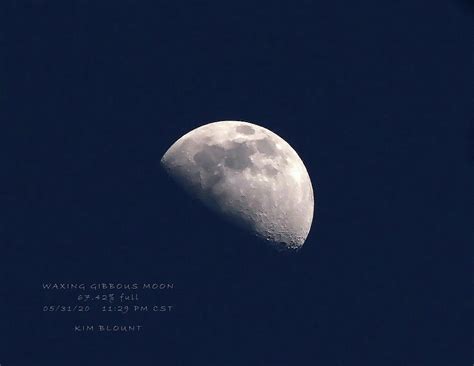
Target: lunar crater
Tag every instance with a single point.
(249, 175)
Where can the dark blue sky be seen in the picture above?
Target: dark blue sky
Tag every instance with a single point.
(377, 99)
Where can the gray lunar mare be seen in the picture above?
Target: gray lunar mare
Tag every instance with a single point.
(250, 176)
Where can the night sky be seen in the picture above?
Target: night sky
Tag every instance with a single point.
(375, 96)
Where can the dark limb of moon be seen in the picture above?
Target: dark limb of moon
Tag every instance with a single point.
(249, 175)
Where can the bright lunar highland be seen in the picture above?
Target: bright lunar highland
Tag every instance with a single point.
(250, 176)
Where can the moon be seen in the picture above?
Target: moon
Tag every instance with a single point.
(250, 176)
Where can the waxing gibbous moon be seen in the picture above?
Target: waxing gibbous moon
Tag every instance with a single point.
(249, 175)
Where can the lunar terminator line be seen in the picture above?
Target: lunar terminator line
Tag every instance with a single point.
(250, 176)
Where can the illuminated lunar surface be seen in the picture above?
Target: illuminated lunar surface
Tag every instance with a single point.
(250, 176)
